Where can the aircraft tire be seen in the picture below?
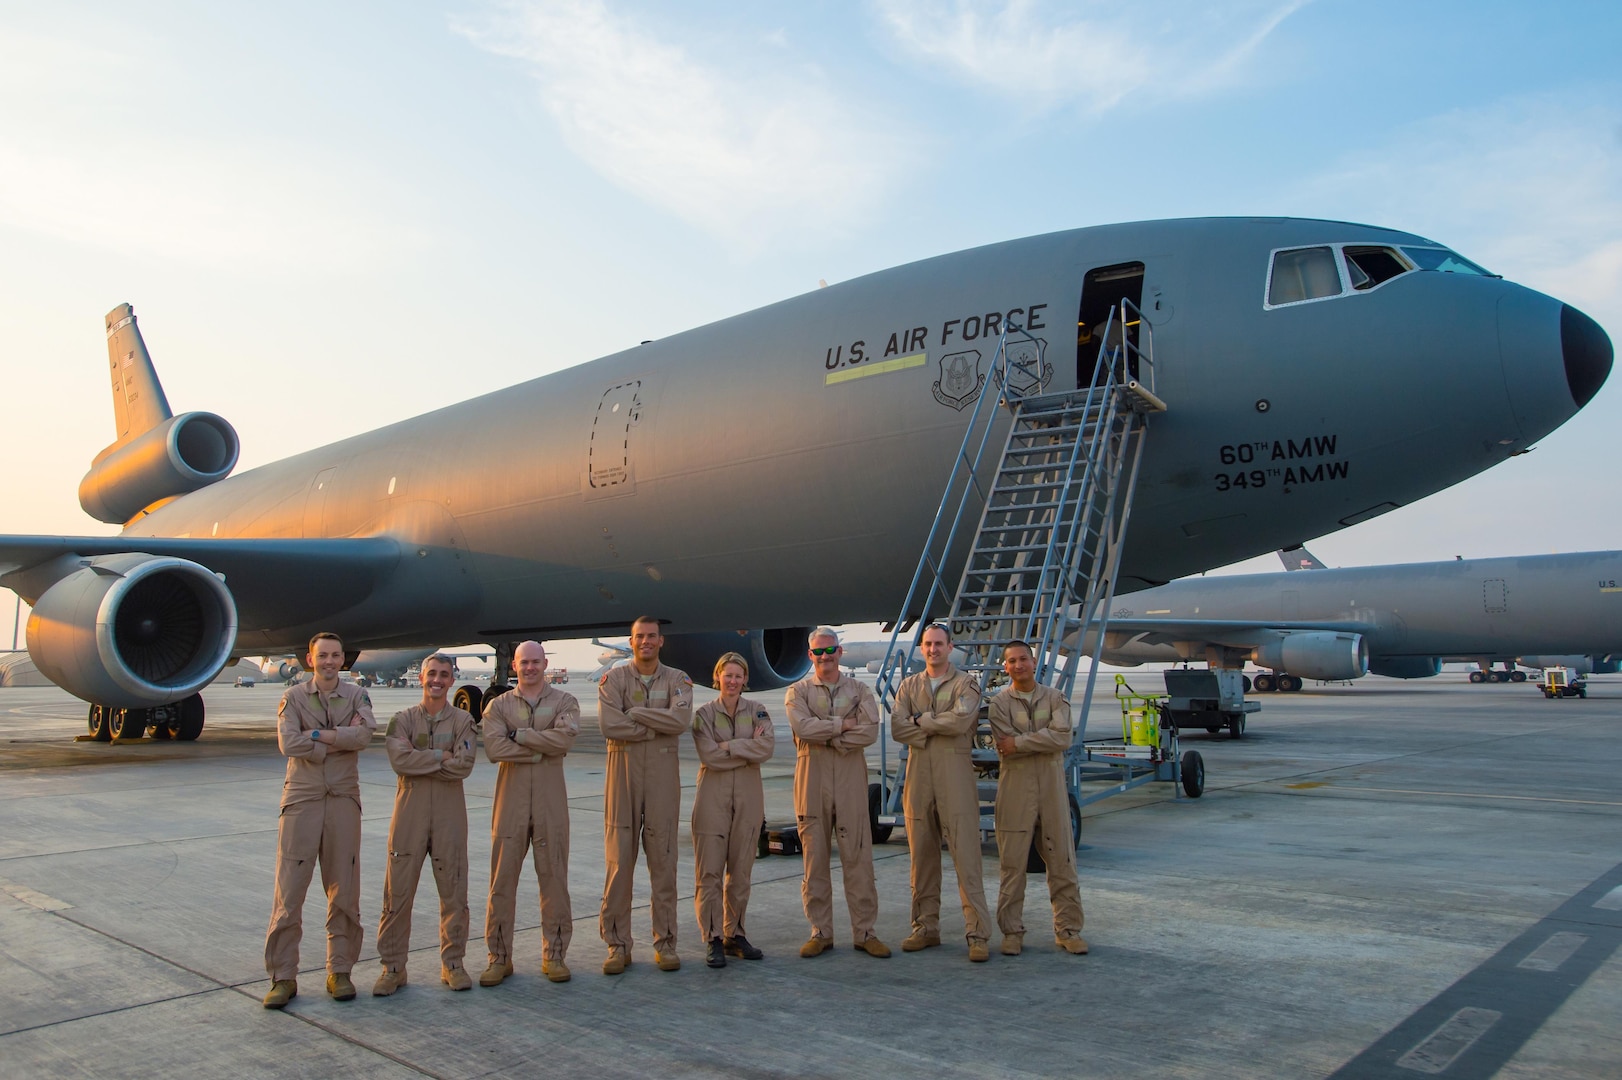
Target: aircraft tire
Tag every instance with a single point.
(470, 699)
(1517, 676)
(875, 802)
(1493, 677)
(99, 715)
(1289, 684)
(128, 723)
(1264, 684)
(187, 724)
(1476, 677)
(1193, 774)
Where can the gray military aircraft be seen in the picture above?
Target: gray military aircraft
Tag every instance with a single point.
(1318, 373)
(1403, 620)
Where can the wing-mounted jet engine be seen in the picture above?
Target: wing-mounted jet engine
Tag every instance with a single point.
(157, 455)
(777, 658)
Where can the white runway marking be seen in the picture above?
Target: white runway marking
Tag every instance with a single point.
(1450, 1040)
(1554, 952)
(1611, 901)
(34, 899)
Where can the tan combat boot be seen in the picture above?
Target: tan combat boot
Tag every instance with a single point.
(874, 947)
(555, 970)
(815, 946)
(281, 992)
(978, 952)
(498, 970)
(618, 960)
(339, 986)
(1074, 944)
(455, 977)
(1013, 944)
(388, 982)
(667, 961)
(918, 940)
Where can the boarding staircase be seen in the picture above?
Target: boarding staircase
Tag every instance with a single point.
(1052, 509)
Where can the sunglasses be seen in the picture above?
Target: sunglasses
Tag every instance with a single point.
(829, 651)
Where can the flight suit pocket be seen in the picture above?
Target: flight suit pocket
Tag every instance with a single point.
(544, 870)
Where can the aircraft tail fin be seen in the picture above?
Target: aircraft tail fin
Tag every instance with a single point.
(1299, 558)
(139, 404)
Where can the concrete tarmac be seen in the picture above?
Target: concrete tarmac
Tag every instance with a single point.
(1382, 879)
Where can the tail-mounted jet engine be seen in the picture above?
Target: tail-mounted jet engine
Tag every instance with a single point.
(179, 455)
(133, 631)
(776, 658)
(1316, 654)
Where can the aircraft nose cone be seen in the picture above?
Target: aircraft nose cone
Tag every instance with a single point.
(1587, 352)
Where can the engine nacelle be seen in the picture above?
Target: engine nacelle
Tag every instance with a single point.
(776, 657)
(133, 631)
(1406, 667)
(184, 453)
(1316, 654)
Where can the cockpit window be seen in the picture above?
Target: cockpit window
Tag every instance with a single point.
(1448, 262)
(1303, 274)
(1369, 266)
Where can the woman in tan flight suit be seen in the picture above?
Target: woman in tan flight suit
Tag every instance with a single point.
(734, 735)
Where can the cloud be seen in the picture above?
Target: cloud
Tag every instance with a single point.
(1529, 187)
(82, 160)
(1044, 55)
(738, 151)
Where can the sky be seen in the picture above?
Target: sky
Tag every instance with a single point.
(331, 217)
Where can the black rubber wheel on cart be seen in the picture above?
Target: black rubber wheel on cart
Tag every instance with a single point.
(875, 803)
(1212, 730)
(1075, 822)
(1245, 681)
(765, 847)
(1236, 728)
(1193, 774)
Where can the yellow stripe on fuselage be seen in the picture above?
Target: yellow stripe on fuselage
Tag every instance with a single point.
(900, 363)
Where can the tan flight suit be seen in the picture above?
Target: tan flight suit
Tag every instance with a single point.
(1034, 804)
(430, 818)
(939, 797)
(320, 822)
(530, 815)
(830, 795)
(642, 722)
(729, 810)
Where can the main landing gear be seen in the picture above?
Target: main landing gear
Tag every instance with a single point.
(1281, 681)
(181, 720)
(1488, 675)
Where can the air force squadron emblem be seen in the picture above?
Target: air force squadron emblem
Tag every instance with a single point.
(1028, 369)
(960, 379)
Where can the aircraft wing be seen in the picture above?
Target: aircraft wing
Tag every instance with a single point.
(1233, 633)
(281, 581)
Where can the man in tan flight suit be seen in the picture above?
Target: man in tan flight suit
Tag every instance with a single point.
(527, 732)
(320, 726)
(432, 747)
(834, 719)
(733, 735)
(935, 714)
(1031, 725)
(643, 708)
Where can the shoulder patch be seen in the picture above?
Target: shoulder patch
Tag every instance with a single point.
(604, 680)
(367, 698)
(685, 678)
(762, 714)
(281, 707)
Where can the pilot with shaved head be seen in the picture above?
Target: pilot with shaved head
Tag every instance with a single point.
(527, 732)
(834, 719)
(1031, 725)
(320, 726)
(644, 708)
(935, 714)
(432, 746)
